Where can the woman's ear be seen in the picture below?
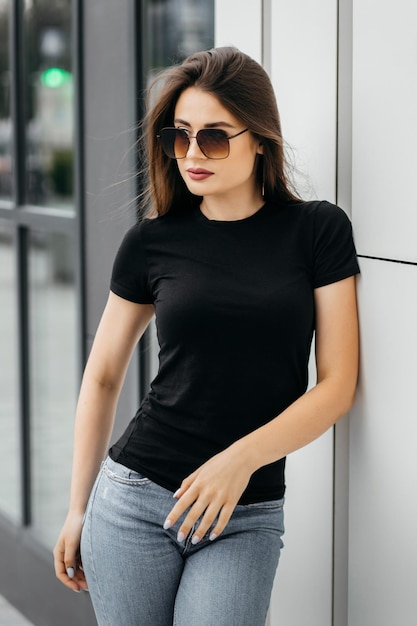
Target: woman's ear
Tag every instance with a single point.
(260, 148)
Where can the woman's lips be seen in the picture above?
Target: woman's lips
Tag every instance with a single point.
(198, 174)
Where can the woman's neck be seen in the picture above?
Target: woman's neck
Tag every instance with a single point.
(228, 209)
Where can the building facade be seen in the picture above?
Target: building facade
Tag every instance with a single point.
(72, 80)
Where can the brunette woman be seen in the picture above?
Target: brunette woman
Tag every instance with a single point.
(184, 522)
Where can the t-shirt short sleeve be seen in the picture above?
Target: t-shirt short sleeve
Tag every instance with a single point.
(333, 247)
(130, 279)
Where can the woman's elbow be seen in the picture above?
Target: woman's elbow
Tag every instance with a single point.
(346, 393)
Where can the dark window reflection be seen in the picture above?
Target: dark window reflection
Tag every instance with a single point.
(175, 29)
(6, 162)
(49, 103)
(53, 377)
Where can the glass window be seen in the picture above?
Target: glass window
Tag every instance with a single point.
(53, 379)
(174, 30)
(9, 409)
(49, 103)
(5, 119)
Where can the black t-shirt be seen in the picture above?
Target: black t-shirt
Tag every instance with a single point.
(234, 307)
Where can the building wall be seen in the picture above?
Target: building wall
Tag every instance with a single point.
(383, 425)
(344, 77)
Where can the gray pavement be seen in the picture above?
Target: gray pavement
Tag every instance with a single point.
(10, 617)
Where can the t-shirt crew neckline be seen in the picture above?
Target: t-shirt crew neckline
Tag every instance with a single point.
(230, 223)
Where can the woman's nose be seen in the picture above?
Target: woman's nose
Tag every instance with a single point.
(194, 149)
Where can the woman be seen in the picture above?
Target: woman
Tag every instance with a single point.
(239, 273)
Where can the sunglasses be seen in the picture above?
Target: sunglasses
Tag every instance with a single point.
(213, 142)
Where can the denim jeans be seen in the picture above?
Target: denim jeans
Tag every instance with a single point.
(139, 575)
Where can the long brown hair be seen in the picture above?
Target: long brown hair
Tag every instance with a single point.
(243, 87)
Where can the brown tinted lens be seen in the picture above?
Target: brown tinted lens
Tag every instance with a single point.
(174, 142)
(181, 143)
(213, 143)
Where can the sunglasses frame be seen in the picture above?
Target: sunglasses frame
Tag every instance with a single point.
(202, 130)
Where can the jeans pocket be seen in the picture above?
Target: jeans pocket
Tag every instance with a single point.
(123, 475)
(266, 505)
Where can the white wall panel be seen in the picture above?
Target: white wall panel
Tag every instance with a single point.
(385, 127)
(304, 73)
(302, 591)
(305, 568)
(383, 459)
(239, 24)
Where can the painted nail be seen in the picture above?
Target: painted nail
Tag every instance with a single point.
(167, 524)
(213, 536)
(176, 493)
(70, 572)
(195, 540)
(180, 537)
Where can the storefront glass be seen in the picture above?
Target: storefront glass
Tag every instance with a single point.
(6, 158)
(175, 29)
(49, 103)
(53, 378)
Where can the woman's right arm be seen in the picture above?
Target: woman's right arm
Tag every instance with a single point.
(121, 326)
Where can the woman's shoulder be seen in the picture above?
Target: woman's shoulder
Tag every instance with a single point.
(314, 208)
(317, 214)
(146, 226)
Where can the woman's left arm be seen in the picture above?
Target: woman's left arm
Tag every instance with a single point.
(216, 487)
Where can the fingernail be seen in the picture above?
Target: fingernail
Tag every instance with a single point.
(77, 590)
(176, 493)
(195, 539)
(180, 537)
(70, 572)
(167, 524)
(213, 536)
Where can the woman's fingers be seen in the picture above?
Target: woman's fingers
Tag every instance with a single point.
(206, 515)
(65, 569)
(203, 508)
(67, 560)
(74, 572)
(189, 499)
(207, 521)
(190, 520)
(211, 492)
(222, 521)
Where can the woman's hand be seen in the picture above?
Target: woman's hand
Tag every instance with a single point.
(67, 559)
(212, 490)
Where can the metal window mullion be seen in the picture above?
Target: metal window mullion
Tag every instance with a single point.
(79, 179)
(24, 371)
(19, 186)
(17, 101)
(141, 68)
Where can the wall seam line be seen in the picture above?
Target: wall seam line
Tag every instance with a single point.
(387, 260)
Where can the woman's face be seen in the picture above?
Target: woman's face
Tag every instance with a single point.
(232, 177)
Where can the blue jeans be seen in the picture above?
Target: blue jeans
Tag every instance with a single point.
(139, 575)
